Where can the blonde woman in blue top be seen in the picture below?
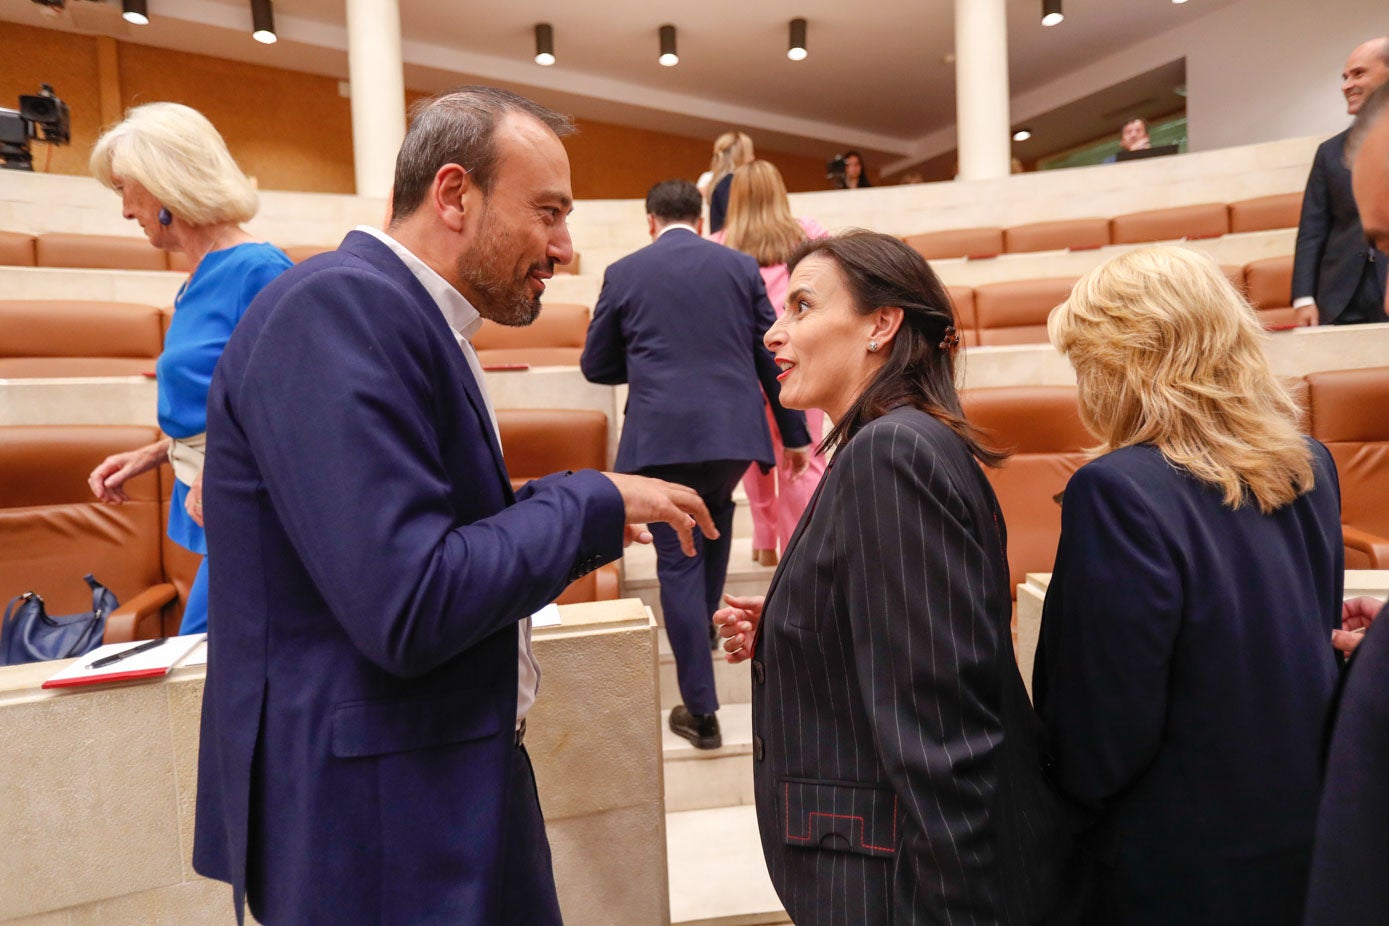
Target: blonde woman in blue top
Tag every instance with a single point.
(177, 179)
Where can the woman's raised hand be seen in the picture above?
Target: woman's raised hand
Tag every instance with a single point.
(737, 625)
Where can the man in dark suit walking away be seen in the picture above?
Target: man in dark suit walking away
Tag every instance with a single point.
(369, 664)
(1338, 279)
(681, 322)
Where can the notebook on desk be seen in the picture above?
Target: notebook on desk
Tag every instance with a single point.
(107, 664)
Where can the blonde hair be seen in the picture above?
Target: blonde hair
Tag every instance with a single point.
(174, 152)
(759, 215)
(731, 151)
(1168, 353)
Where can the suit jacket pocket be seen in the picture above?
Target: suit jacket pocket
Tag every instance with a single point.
(373, 728)
(840, 816)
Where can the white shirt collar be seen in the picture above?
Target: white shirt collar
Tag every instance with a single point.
(674, 225)
(458, 311)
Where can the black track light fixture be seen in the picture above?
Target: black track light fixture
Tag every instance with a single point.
(1051, 12)
(544, 44)
(135, 12)
(263, 22)
(668, 57)
(796, 50)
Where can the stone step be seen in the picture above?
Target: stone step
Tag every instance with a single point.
(733, 684)
(698, 779)
(717, 874)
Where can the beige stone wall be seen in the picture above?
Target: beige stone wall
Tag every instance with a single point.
(97, 813)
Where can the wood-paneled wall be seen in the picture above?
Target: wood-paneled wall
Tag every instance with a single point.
(292, 130)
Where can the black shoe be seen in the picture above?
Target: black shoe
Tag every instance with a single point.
(700, 729)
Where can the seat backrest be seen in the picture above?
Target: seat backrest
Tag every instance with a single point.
(1269, 282)
(957, 242)
(1015, 311)
(558, 325)
(16, 249)
(1282, 210)
(1208, 220)
(1041, 426)
(1348, 415)
(117, 338)
(97, 252)
(540, 441)
(962, 298)
(53, 531)
(1073, 234)
(530, 356)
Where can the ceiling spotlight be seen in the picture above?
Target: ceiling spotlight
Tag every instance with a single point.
(1179, 1)
(135, 12)
(263, 22)
(544, 44)
(668, 57)
(796, 50)
(1022, 135)
(1051, 12)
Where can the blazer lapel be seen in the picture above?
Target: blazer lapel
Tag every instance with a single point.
(791, 546)
(385, 261)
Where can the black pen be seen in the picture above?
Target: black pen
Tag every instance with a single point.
(117, 657)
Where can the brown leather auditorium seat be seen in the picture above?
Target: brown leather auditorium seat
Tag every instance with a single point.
(1266, 212)
(1208, 220)
(97, 252)
(1269, 285)
(957, 242)
(16, 249)
(1348, 415)
(1072, 234)
(539, 441)
(1015, 311)
(1041, 426)
(54, 532)
(555, 339)
(45, 338)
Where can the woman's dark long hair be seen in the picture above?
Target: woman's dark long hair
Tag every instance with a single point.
(879, 270)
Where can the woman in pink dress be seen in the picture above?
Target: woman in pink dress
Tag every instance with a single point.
(760, 224)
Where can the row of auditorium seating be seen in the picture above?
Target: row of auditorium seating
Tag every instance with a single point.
(58, 338)
(121, 252)
(54, 531)
(1207, 220)
(54, 338)
(1041, 426)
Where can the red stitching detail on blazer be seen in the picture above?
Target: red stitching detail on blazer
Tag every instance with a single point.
(810, 823)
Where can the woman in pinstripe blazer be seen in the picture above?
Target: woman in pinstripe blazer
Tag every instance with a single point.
(897, 772)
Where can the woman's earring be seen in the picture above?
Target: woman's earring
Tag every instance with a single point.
(872, 346)
(166, 218)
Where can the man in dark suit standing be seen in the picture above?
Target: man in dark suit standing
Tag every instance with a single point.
(1337, 278)
(369, 663)
(1348, 887)
(681, 322)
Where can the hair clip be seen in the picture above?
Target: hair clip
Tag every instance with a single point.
(950, 340)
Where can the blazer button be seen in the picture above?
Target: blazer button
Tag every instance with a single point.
(759, 671)
(759, 751)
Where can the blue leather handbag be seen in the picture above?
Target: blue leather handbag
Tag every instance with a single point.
(28, 634)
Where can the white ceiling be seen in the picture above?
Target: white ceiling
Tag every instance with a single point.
(876, 78)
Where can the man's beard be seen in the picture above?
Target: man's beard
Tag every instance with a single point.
(499, 298)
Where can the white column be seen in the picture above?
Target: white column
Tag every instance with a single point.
(377, 79)
(981, 89)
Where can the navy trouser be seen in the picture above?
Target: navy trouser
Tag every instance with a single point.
(692, 586)
(528, 876)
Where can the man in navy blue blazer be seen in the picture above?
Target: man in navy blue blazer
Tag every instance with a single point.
(681, 322)
(369, 662)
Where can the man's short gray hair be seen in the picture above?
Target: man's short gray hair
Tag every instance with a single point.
(458, 127)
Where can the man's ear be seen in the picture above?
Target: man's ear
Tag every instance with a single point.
(886, 320)
(651, 226)
(454, 196)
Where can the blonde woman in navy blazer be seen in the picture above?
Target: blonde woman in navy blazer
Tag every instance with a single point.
(1185, 666)
(897, 768)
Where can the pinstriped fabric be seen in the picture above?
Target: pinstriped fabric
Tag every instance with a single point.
(899, 779)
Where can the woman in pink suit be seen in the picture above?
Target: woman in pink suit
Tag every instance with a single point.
(760, 224)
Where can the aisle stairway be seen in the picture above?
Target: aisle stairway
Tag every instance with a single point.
(714, 853)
